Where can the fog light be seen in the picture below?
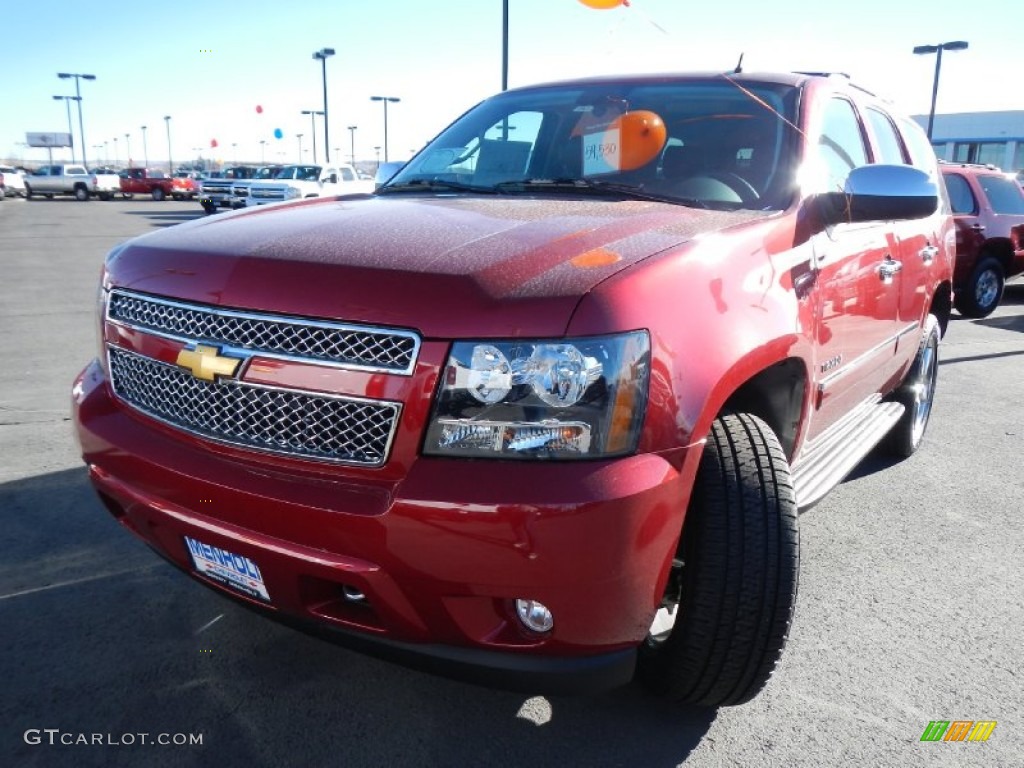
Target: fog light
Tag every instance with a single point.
(352, 594)
(535, 616)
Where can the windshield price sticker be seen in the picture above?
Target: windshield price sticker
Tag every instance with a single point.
(231, 570)
(601, 152)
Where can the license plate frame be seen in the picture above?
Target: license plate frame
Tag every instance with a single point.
(235, 572)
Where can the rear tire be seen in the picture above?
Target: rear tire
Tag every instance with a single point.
(81, 194)
(984, 289)
(158, 194)
(734, 581)
(917, 393)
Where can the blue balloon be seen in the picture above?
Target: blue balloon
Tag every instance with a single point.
(278, 133)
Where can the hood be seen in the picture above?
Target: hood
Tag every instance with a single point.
(447, 266)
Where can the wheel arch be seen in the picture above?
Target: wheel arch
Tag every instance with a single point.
(942, 305)
(778, 395)
(999, 248)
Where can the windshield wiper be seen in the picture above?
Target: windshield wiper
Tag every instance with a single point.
(425, 185)
(598, 186)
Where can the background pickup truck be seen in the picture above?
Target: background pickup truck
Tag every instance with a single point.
(51, 180)
(142, 181)
(297, 181)
(231, 190)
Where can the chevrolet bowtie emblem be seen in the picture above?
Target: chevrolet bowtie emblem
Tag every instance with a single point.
(206, 363)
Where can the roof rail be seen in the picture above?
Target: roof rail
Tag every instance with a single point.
(822, 74)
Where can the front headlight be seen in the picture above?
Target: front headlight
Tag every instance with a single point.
(567, 399)
(290, 193)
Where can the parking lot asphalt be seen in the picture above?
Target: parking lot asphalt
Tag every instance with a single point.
(910, 606)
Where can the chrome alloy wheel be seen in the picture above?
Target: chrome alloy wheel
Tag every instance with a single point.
(924, 390)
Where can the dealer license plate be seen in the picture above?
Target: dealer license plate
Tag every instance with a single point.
(233, 571)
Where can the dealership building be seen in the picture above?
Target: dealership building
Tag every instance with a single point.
(995, 138)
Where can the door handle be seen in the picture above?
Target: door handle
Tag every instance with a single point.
(928, 253)
(888, 269)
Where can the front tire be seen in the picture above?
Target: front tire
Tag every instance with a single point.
(983, 291)
(734, 580)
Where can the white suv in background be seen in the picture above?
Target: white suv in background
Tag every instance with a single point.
(12, 184)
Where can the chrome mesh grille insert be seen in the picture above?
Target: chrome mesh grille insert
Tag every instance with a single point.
(289, 422)
(291, 338)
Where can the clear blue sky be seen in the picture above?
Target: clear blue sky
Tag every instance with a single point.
(209, 64)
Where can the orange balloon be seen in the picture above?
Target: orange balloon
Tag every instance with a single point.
(604, 5)
(642, 135)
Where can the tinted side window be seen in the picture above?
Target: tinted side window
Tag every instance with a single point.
(961, 199)
(889, 148)
(841, 144)
(922, 153)
(1004, 195)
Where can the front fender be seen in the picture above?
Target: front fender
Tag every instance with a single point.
(720, 310)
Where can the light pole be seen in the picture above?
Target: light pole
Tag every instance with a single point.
(263, 151)
(170, 163)
(312, 131)
(322, 55)
(352, 143)
(128, 147)
(145, 149)
(385, 100)
(377, 150)
(299, 137)
(234, 152)
(504, 45)
(71, 132)
(106, 152)
(78, 93)
(115, 151)
(955, 45)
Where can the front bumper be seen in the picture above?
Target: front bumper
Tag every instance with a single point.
(440, 556)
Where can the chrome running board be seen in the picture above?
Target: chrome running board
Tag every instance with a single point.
(834, 454)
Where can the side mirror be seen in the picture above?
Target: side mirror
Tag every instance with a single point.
(881, 193)
(333, 178)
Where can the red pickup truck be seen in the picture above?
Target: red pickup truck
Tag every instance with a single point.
(141, 181)
(540, 411)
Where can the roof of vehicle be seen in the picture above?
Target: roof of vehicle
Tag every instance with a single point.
(781, 78)
(946, 165)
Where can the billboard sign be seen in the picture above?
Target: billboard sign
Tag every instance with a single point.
(48, 139)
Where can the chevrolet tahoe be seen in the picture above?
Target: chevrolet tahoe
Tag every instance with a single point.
(541, 411)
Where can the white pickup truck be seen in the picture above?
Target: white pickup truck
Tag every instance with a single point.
(297, 181)
(50, 180)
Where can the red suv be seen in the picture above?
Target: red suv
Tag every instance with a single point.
(539, 412)
(988, 208)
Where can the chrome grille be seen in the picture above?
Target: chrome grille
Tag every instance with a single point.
(289, 338)
(267, 194)
(289, 422)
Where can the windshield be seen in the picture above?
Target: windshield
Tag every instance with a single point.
(300, 172)
(701, 142)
